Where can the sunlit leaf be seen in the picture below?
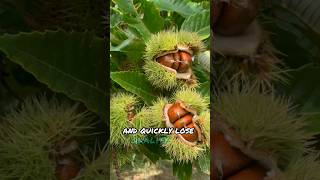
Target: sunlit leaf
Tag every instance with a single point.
(199, 23)
(151, 17)
(135, 83)
(183, 7)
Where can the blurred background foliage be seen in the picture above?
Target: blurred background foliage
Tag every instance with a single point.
(30, 15)
(70, 48)
(57, 48)
(294, 29)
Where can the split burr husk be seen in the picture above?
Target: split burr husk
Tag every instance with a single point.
(303, 168)
(96, 167)
(168, 59)
(256, 128)
(31, 138)
(186, 109)
(249, 56)
(241, 47)
(125, 114)
(233, 17)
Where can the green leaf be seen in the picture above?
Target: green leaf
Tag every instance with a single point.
(135, 83)
(314, 122)
(304, 88)
(182, 170)
(302, 19)
(204, 162)
(126, 6)
(69, 63)
(202, 75)
(137, 27)
(151, 17)
(293, 43)
(133, 20)
(115, 19)
(182, 7)
(199, 23)
(122, 45)
(306, 11)
(204, 59)
(204, 88)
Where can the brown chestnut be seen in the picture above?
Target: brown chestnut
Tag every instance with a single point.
(175, 65)
(236, 17)
(66, 169)
(216, 11)
(176, 56)
(191, 137)
(252, 173)
(166, 60)
(231, 159)
(184, 56)
(184, 121)
(184, 66)
(175, 112)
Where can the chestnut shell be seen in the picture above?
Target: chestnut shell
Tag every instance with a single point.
(255, 172)
(67, 169)
(178, 116)
(232, 160)
(216, 7)
(235, 17)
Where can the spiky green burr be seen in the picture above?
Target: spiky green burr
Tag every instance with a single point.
(205, 124)
(176, 148)
(125, 114)
(29, 134)
(168, 41)
(192, 99)
(96, 167)
(180, 151)
(303, 168)
(162, 43)
(264, 123)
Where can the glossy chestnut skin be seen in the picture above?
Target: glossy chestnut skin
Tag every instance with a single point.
(184, 66)
(67, 169)
(235, 18)
(232, 160)
(176, 112)
(184, 121)
(166, 60)
(181, 118)
(175, 65)
(176, 56)
(180, 61)
(255, 172)
(191, 137)
(184, 56)
(216, 7)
